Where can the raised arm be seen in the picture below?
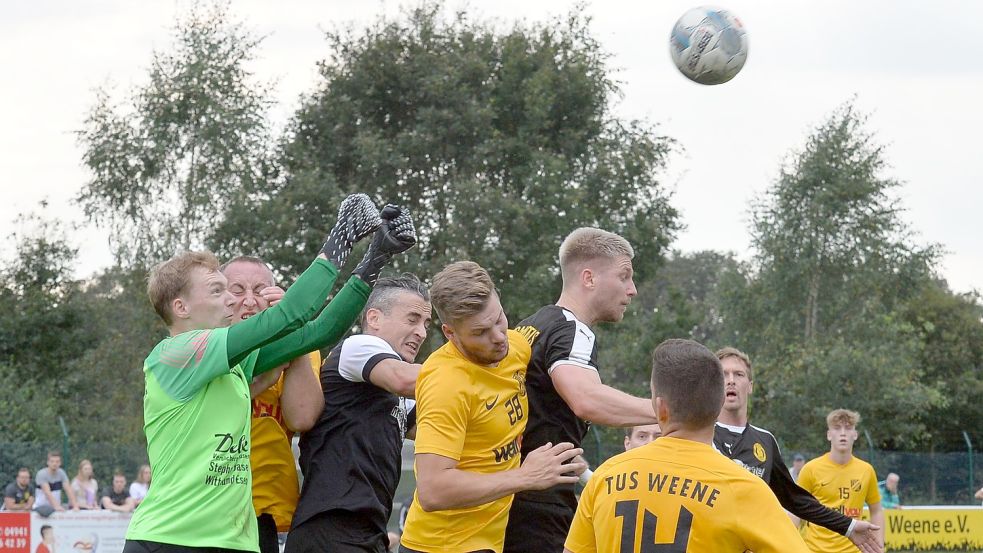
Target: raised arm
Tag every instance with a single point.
(357, 218)
(395, 235)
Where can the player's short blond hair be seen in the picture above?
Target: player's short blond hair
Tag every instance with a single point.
(844, 417)
(461, 290)
(724, 353)
(169, 279)
(588, 244)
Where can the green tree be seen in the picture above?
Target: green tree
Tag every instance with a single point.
(819, 308)
(499, 142)
(950, 328)
(164, 166)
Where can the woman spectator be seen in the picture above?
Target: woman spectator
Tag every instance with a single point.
(85, 486)
(140, 486)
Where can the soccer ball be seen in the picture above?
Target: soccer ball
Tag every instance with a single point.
(708, 45)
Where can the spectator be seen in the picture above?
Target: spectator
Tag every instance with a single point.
(85, 486)
(140, 486)
(116, 497)
(798, 461)
(19, 494)
(50, 483)
(979, 494)
(889, 491)
(47, 544)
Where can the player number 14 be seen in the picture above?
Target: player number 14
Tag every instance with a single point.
(628, 511)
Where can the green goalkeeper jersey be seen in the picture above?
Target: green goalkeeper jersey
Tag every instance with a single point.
(197, 412)
(196, 415)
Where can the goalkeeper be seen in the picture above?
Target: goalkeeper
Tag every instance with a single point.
(196, 402)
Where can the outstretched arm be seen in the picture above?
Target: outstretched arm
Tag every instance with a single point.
(357, 218)
(395, 235)
(589, 399)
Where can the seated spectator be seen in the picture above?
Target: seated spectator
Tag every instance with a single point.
(50, 483)
(85, 486)
(19, 494)
(140, 486)
(117, 497)
(889, 491)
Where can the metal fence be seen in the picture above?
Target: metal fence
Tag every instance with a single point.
(939, 478)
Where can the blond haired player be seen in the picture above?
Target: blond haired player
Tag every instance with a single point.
(565, 379)
(471, 412)
(841, 482)
(677, 493)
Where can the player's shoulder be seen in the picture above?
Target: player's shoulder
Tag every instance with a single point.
(519, 345)
(362, 342)
(553, 321)
(446, 364)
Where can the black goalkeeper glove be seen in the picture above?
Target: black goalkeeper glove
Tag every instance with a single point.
(357, 218)
(395, 235)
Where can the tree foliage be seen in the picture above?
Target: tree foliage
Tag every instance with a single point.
(499, 142)
(164, 166)
(820, 309)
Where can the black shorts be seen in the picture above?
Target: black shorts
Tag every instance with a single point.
(336, 532)
(144, 546)
(536, 527)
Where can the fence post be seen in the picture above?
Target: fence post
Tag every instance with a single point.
(65, 452)
(870, 447)
(969, 448)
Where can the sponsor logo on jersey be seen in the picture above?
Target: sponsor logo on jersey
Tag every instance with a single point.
(759, 452)
(520, 377)
(757, 471)
(508, 451)
(530, 333)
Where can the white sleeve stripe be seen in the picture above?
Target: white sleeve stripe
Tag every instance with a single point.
(583, 343)
(570, 362)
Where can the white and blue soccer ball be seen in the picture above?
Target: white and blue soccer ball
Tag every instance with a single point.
(708, 45)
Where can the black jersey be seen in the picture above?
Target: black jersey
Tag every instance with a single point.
(351, 457)
(557, 338)
(757, 450)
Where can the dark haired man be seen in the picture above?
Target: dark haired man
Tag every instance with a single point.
(351, 457)
(678, 494)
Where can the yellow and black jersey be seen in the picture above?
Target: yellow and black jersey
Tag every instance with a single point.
(475, 415)
(679, 495)
(275, 489)
(843, 488)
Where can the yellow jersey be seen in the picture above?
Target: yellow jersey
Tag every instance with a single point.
(679, 495)
(275, 486)
(843, 488)
(475, 415)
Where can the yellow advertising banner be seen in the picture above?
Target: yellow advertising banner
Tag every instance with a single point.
(946, 529)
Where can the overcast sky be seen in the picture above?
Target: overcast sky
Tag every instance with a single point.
(916, 67)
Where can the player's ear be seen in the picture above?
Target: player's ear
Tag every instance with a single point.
(179, 308)
(661, 410)
(372, 316)
(448, 331)
(587, 278)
